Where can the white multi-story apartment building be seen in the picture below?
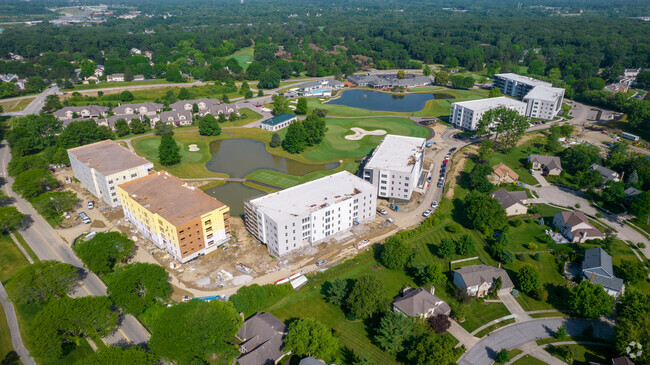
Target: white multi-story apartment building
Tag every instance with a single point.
(515, 85)
(467, 114)
(544, 102)
(309, 213)
(102, 166)
(395, 166)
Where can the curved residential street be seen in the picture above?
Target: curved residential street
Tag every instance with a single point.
(516, 335)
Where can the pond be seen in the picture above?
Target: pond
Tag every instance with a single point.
(375, 100)
(234, 195)
(239, 157)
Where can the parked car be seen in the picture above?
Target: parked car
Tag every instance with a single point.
(84, 218)
(382, 211)
(321, 263)
(185, 298)
(390, 220)
(434, 204)
(440, 183)
(427, 213)
(429, 179)
(259, 105)
(91, 204)
(452, 149)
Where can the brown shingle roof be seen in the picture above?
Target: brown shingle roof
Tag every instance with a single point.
(420, 301)
(574, 218)
(479, 274)
(504, 171)
(170, 197)
(107, 157)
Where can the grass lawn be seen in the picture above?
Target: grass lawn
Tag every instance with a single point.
(247, 116)
(5, 337)
(528, 360)
(548, 314)
(284, 181)
(243, 56)
(494, 327)
(11, 259)
(25, 245)
(482, 313)
(104, 84)
(512, 353)
(15, 105)
(583, 354)
(516, 159)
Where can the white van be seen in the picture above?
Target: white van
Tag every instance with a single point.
(84, 218)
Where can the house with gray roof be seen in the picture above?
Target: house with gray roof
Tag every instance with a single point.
(202, 103)
(262, 338)
(311, 361)
(478, 280)
(177, 117)
(607, 174)
(598, 269)
(216, 109)
(141, 108)
(575, 227)
(81, 112)
(513, 202)
(420, 303)
(550, 165)
(632, 192)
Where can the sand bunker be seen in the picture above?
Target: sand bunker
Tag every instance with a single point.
(360, 133)
(193, 148)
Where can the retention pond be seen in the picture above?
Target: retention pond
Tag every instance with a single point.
(376, 100)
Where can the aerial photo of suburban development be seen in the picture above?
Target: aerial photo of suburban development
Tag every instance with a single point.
(308, 182)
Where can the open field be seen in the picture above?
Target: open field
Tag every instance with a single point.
(583, 354)
(284, 181)
(104, 84)
(243, 56)
(15, 105)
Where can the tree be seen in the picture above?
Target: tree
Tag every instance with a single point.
(633, 322)
(280, 105)
(465, 245)
(163, 128)
(503, 356)
(68, 319)
(442, 78)
(225, 99)
(315, 127)
(221, 118)
(640, 206)
(394, 331)
(613, 192)
(561, 334)
(53, 203)
(580, 157)
(34, 182)
(486, 149)
(301, 107)
(136, 126)
(484, 213)
(507, 125)
(632, 180)
(190, 332)
(209, 126)
(429, 274)
(590, 300)
(588, 179)
(52, 103)
(308, 337)
(447, 248)
(248, 94)
(244, 88)
(529, 278)
(135, 287)
(103, 251)
(195, 108)
(168, 151)
(43, 281)
(295, 141)
(269, 80)
(439, 323)
(337, 292)
(80, 133)
(426, 71)
(254, 298)
(478, 178)
(401, 74)
(495, 92)
(119, 355)
(276, 140)
(506, 257)
(20, 164)
(33, 133)
(126, 96)
(632, 272)
(122, 128)
(396, 253)
(432, 349)
(366, 296)
(184, 94)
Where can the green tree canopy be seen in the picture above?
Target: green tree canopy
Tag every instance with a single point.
(168, 151)
(446, 248)
(337, 291)
(103, 251)
(495, 92)
(122, 128)
(396, 253)
(119, 355)
(432, 349)
(21, 164)
(135, 287)
(366, 296)
(10, 218)
(276, 140)
(34, 182)
(315, 129)
(280, 105)
(309, 337)
(484, 213)
(163, 128)
(209, 126)
(507, 125)
(591, 300)
(529, 278)
(301, 107)
(269, 80)
(43, 281)
(394, 331)
(295, 141)
(193, 331)
(429, 274)
(137, 126)
(53, 203)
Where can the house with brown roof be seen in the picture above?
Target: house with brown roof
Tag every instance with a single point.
(102, 166)
(262, 338)
(513, 202)
(550, 165)
(575, 227)
(503, 174)
(420, 303)
(478, 280)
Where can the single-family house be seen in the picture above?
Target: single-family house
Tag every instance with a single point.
(177, 117)
(115, 78)
(631, 193)
(420, 303)
(550, 165)
(141, 108)
(513, 202)
(8, 77)
(503, 174)
(262, 337)
(99, 71)
(278, 122)
(138, 77)
(597, 268)
(91, 80)
(607, 174)
(478, 280)
(575, 227)
(618, 87)
(81, 112)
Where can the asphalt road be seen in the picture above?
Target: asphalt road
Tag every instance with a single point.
(36, 105)
(511, 337)
(48, 245)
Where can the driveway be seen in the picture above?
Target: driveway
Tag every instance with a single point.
(514, 308)
(516, 335)
(540, 178)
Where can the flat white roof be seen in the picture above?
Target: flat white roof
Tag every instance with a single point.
(524, 79)
(490, 103)
(546, 93)
(396, 153)
(305, 198)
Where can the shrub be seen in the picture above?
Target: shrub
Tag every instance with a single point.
(503, 356)
(531, 246)
(599, 215)
(453, 228)
(577, 205)
(539, 293)
(254, 298)
(641, 245)
(560, 333)
(536, 256)
(517, 222)
(506, 257)
(520, 256)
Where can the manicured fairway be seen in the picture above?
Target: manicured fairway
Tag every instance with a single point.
(243, 56)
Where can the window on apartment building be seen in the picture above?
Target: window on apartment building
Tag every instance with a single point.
(406, 178)
(406, 184)
(208, 222)
(112, 188)
(384, 182)
(134, 175)
(209, 229)
(181, 231)
(383, 188)
(182, 239)
(110, 181)
(112, 194)
(114, 200)
(384, 175)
